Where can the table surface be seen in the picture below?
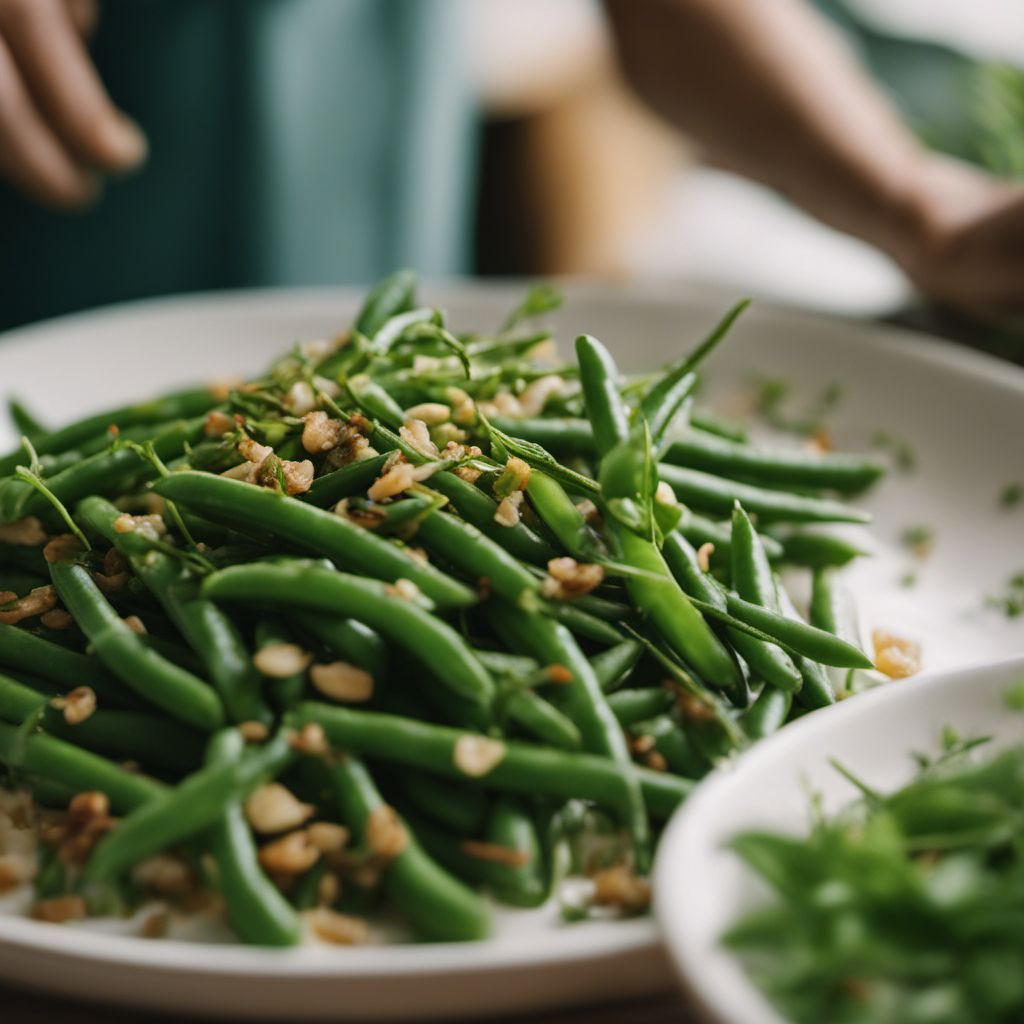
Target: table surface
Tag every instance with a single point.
(19, 1007)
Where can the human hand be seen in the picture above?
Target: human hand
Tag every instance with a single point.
(58, 126)
(964, 243)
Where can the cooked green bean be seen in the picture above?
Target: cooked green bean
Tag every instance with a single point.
(613, 666)
(818, 550)
(631, 706)
(535, 715)
(355, 478)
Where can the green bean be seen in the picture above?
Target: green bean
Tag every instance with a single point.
(191, 807)
(349, 638)
(684, 565)
(23, 421)
(401, 517)
(461, 808)
(210, 633)
(242, 505)
(182, 405)
(768, 713)
(673, 743)
(523, 768)
(389, 297)
(438, 906)
(475, 555)
(679, 623)
(158, 681)
(560, 515)
(599, 377)
(712, 423)
(58, 761)
(832, 607)
(816, 691)
(661, 404)
(699, 530)
(518, 666)
(583, 624)
(818, 550)
(714, 494)
(355, 478)
(20, 649)
(256, 909)
(631, 706)
(301, 585)
(562, 436)
(773, 467)
(753, 581)
(392, 332)
(535, 715)
(613, 666)
(373, 400)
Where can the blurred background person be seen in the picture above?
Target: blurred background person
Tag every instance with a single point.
(326, 141)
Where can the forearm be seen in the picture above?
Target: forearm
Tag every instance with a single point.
(768, 89)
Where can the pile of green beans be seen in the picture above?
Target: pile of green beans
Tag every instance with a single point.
(434, 587)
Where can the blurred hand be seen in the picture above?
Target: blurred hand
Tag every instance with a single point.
(58, 126)
(965, 245)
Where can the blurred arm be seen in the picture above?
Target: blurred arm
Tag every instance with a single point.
(770, 91)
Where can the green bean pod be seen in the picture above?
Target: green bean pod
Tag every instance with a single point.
(355, 478)
(286, 692)
(243, 506)
(674, 744)
(533, 714)
(349, 639)
(158, 681)
(256, 909)
(461, 808)
(612, 666)
(302, 585)
(438, 906)
(818, 550)
(768, 713)
(699, 530)
(392, 295)
(560, 515)
(634, 705)
(599, 377)
(191, 807)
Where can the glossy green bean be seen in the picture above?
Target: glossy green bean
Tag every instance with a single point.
(714, 494)
(523, 768)
(405, 623)
(256, 909)
(768, 713)
(158, 681)
(438, 906)
(536, 716)
(674, 744)
(631, 706)
(349, 639)
(558, 512)
(817, 691)
(243, 506)
(613, 666)
(818, 550)
(191, 807)
(699, 530)
(583, 624)
(392, 295)
(457, 807)
(355, 478)
(600, 379)
(61, 762)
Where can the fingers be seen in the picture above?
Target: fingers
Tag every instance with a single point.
(52, 57)
(31, 157)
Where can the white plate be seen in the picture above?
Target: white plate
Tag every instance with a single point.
(955, 407)
(702, 888)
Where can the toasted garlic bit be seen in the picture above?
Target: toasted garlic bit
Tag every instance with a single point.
(19, 838)
(559, 674)
(457, 450)
(88, 820)
(448, 433)
(430, 413)
(36, 602)
(463, 406)
(537, 393)
(27, 532)
(218, 423)
(292, 854)
(568, 578)
(896, 656)
(403, 589)
(504, 403)
(507, 512)
(253, 732)
(337, 929)
(475, 756)
(136, 625)
(300, 398)
(8, 597)
(367, 518)
(16, 869)
(298, 476)
(386, 836)
(280, 661)
(150, 527)
(655, 760)
(590, 512)
(62, 547)
(518, 472)
(78, 705)
(320, 433)
(693, 709)
(58, 619)
(310, 740)
(495, 853)
(220, 390)
(342, 682)
(164, 874)
(415, 433)
(328, 837)
(704, 553)
(253, 451)
(617, 886)
(59, 909)
(392, 482)
(664, 495)
(328, 889)
(274, 808)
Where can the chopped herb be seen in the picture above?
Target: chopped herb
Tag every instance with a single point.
(1011, 601)
(771, 399)
(903, 455)
(909, 578)
(918, 539)
(1011, 495)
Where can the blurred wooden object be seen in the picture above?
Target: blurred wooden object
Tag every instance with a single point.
(572, 166)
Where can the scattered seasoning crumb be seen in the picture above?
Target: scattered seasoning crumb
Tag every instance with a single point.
(311, 740)
(895, 656)
(274, 808)
(919, 539)
(1011, 495)
(475, 756)
(59, 909)
(253, 732)
(495, 853)
(78, 705)
(903, 455)
(909, 578)
(1011, 600)
(338, 929)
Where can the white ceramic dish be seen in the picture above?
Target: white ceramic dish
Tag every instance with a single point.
(954, 407)
(702, 888)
